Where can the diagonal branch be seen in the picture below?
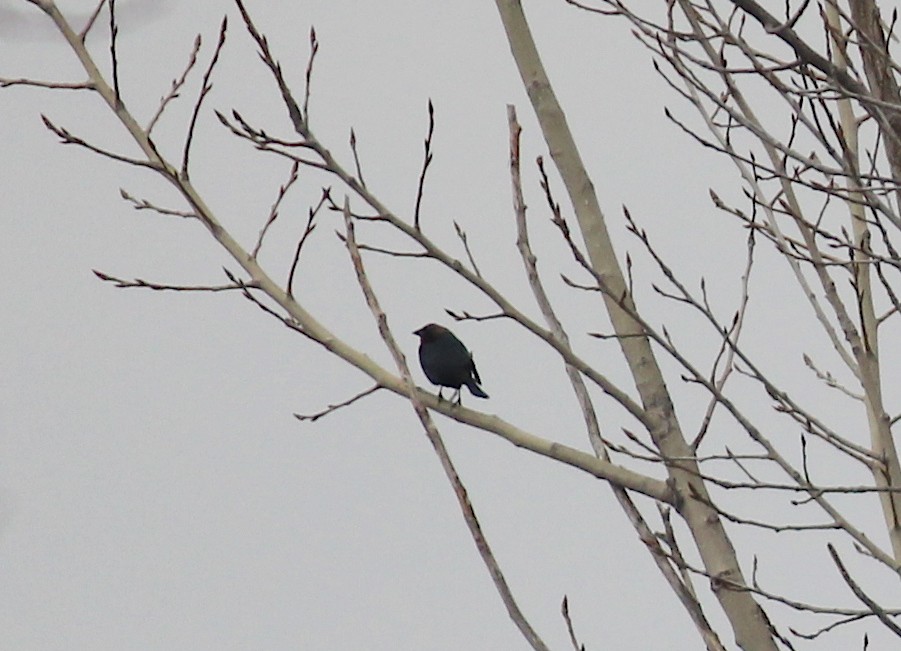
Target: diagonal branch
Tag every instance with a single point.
(431, 431)
(875, 608)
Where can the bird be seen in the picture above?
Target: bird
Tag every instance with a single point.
(447, 362)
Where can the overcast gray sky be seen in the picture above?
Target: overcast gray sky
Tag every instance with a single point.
(155, 490)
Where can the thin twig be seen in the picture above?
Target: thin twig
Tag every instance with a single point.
(145, 284)
(177, 84)
(205, 88)
(461, 234)
(881, 614)
(68, 138)
(114, 33)
(356, 155)
(144, 204)
(426, 161)
(307, 231)
(564, 610)
(53, 85)
(273, 210)
(83, 34)
(333, 408)
(308, 77)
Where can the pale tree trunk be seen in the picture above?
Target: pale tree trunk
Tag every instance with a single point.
(749, 622)
(877, 65)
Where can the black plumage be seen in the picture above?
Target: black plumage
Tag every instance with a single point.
(446, 361)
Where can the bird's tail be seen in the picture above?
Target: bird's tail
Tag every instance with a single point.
(475, 389)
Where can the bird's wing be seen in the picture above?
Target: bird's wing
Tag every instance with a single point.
(475, 372)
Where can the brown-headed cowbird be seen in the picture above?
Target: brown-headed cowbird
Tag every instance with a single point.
(446, 361)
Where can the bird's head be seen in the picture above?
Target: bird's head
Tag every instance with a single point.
(430, 332)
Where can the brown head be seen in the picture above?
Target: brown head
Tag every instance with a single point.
(430, 332)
